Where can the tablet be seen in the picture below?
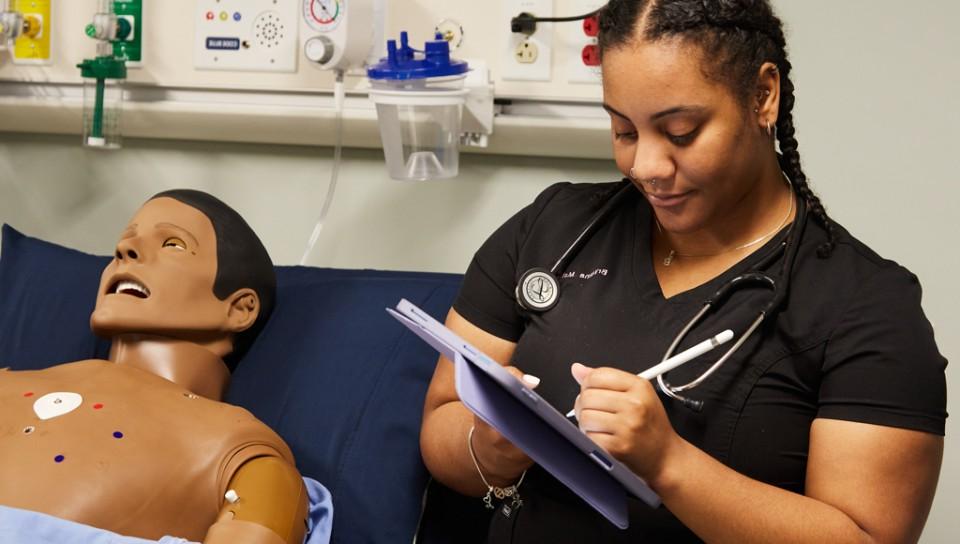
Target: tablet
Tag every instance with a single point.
(528, 421)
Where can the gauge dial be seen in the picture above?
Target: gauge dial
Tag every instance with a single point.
(323, 15)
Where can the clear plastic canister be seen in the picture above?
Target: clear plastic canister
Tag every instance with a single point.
(102, 106)
(420, 126)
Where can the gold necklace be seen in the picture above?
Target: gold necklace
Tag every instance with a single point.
(668, 260)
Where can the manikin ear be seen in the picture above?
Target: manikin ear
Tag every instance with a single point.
(243, 308)
(766, 104)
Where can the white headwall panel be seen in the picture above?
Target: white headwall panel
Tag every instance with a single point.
(170, 27)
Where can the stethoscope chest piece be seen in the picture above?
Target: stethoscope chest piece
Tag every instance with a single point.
(538, 290)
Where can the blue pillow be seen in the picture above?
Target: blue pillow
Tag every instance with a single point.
(331, 372)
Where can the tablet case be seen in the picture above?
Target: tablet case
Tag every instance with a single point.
(531, 423)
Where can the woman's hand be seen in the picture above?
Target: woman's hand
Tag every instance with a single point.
(502, 463)
(623, 414)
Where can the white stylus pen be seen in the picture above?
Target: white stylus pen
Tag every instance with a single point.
(681, 358)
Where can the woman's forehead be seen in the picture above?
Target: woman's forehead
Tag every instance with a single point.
(642, 78)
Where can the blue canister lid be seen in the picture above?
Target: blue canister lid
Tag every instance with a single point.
(407, 63)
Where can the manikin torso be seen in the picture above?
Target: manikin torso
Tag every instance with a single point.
(120, 448)
(141, 444)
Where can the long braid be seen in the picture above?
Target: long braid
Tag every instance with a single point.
(739, 36)
(790, 162)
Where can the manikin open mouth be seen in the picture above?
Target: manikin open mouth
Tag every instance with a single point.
(129, 287)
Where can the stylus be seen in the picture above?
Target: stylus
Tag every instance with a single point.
(682, 357)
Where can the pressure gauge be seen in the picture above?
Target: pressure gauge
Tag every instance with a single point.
(323, 15)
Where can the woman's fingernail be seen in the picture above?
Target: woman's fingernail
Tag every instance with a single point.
(531, 380)
(576, 369)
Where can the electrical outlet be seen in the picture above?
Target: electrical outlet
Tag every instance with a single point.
(527, 52)
(579, 45)
(527, 58)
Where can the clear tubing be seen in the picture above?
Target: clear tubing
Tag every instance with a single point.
(338, 98)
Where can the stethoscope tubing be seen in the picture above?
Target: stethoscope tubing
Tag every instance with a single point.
(789, 249)
(756, 276)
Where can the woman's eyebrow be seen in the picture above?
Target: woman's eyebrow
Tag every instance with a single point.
(660, 114)
(185, 231)
(612, 111)
(677, 109)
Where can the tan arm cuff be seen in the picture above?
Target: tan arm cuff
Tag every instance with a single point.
(241, 532)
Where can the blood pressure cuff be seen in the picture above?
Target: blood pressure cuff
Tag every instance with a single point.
(339, 380)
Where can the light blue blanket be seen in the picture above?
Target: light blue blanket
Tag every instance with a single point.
(22, 526)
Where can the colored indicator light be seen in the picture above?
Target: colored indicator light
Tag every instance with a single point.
(237, 16)
(210, 15)
(224, 16)
(58, 459)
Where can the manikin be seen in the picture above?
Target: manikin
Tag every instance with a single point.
(142, 445)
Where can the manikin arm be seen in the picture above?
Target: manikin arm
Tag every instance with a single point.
(270, 506)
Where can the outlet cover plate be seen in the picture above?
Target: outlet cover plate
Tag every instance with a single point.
(541, 69)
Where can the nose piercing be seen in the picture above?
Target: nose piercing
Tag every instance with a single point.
(652, 181)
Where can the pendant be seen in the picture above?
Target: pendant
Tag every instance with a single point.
(669, 259)
(515, 505)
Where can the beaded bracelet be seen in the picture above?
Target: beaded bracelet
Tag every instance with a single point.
(493, 491)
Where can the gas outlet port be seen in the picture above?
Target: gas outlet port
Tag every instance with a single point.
(591, 26)
(591, 55)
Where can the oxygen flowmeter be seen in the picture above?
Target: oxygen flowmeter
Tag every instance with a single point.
(117, 27)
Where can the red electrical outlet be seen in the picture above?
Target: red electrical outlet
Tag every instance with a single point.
(591, 55)
(591, 26)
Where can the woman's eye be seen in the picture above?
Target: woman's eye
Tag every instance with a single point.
(626, 135)
(175, 243)
(682, 139)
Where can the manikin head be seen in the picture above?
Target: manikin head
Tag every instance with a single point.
(187, 267)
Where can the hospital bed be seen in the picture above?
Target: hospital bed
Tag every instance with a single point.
(332, 373)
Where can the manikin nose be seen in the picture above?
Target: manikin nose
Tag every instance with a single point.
(125, 250)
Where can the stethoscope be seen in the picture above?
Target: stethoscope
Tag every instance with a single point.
(539, 290)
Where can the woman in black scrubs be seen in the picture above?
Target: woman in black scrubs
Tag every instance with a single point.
(825, 426)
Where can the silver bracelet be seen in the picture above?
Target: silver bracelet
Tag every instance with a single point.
(493, 491)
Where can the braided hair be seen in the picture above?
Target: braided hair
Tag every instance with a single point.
(738, 37)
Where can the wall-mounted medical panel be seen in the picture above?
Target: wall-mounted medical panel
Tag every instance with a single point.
(252, 56)
(246, 35)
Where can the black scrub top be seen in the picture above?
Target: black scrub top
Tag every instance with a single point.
(851, 342)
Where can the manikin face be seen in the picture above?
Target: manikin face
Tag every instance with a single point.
(690, 133)
(161, 278)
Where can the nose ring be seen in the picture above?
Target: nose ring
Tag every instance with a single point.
(652, 181)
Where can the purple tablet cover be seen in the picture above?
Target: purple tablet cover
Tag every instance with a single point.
(530, 423)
